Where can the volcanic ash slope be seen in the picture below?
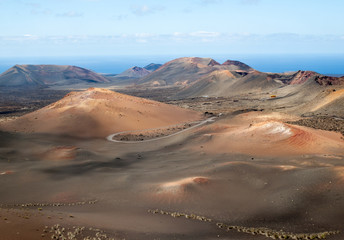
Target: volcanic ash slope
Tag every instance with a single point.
(267, 135)
(98, 113)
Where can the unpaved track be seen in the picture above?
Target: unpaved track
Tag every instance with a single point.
(110, 137)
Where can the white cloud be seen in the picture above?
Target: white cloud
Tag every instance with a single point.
(31, 37)
(34, 5)
(199, 37)
(38, 11)
(70, 14)
(178, 34)
(144, 35)
(205, 34)
(141, 40)
(141, 10)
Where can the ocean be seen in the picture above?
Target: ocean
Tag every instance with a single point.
(321, 63)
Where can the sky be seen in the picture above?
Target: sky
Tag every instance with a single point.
(179, 27)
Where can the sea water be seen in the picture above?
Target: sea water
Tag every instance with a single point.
(321, 63)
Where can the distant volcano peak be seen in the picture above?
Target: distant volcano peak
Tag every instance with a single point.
(47, 75)
(134, 72)
(152, 67)
(240, 65)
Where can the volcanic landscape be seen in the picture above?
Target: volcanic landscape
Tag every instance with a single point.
(191, 149)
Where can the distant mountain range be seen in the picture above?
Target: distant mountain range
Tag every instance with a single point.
(184, 71)
(47, 75)
(193, 76)
(138, 72)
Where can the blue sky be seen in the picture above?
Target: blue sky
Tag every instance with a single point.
(182, 27)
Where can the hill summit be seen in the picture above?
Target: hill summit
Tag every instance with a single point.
(134, 72)
(99, 112)
(139, 72)
(184, 71)
(46, 75)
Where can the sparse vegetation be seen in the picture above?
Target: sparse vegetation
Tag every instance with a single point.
(179, 214)
(48, 204)
(142, 135)
(74, 233)
(270, 233)
(323, 123)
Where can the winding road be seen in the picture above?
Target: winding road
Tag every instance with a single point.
(110, 137)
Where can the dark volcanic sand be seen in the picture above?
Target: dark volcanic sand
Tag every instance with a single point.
(296, 194)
